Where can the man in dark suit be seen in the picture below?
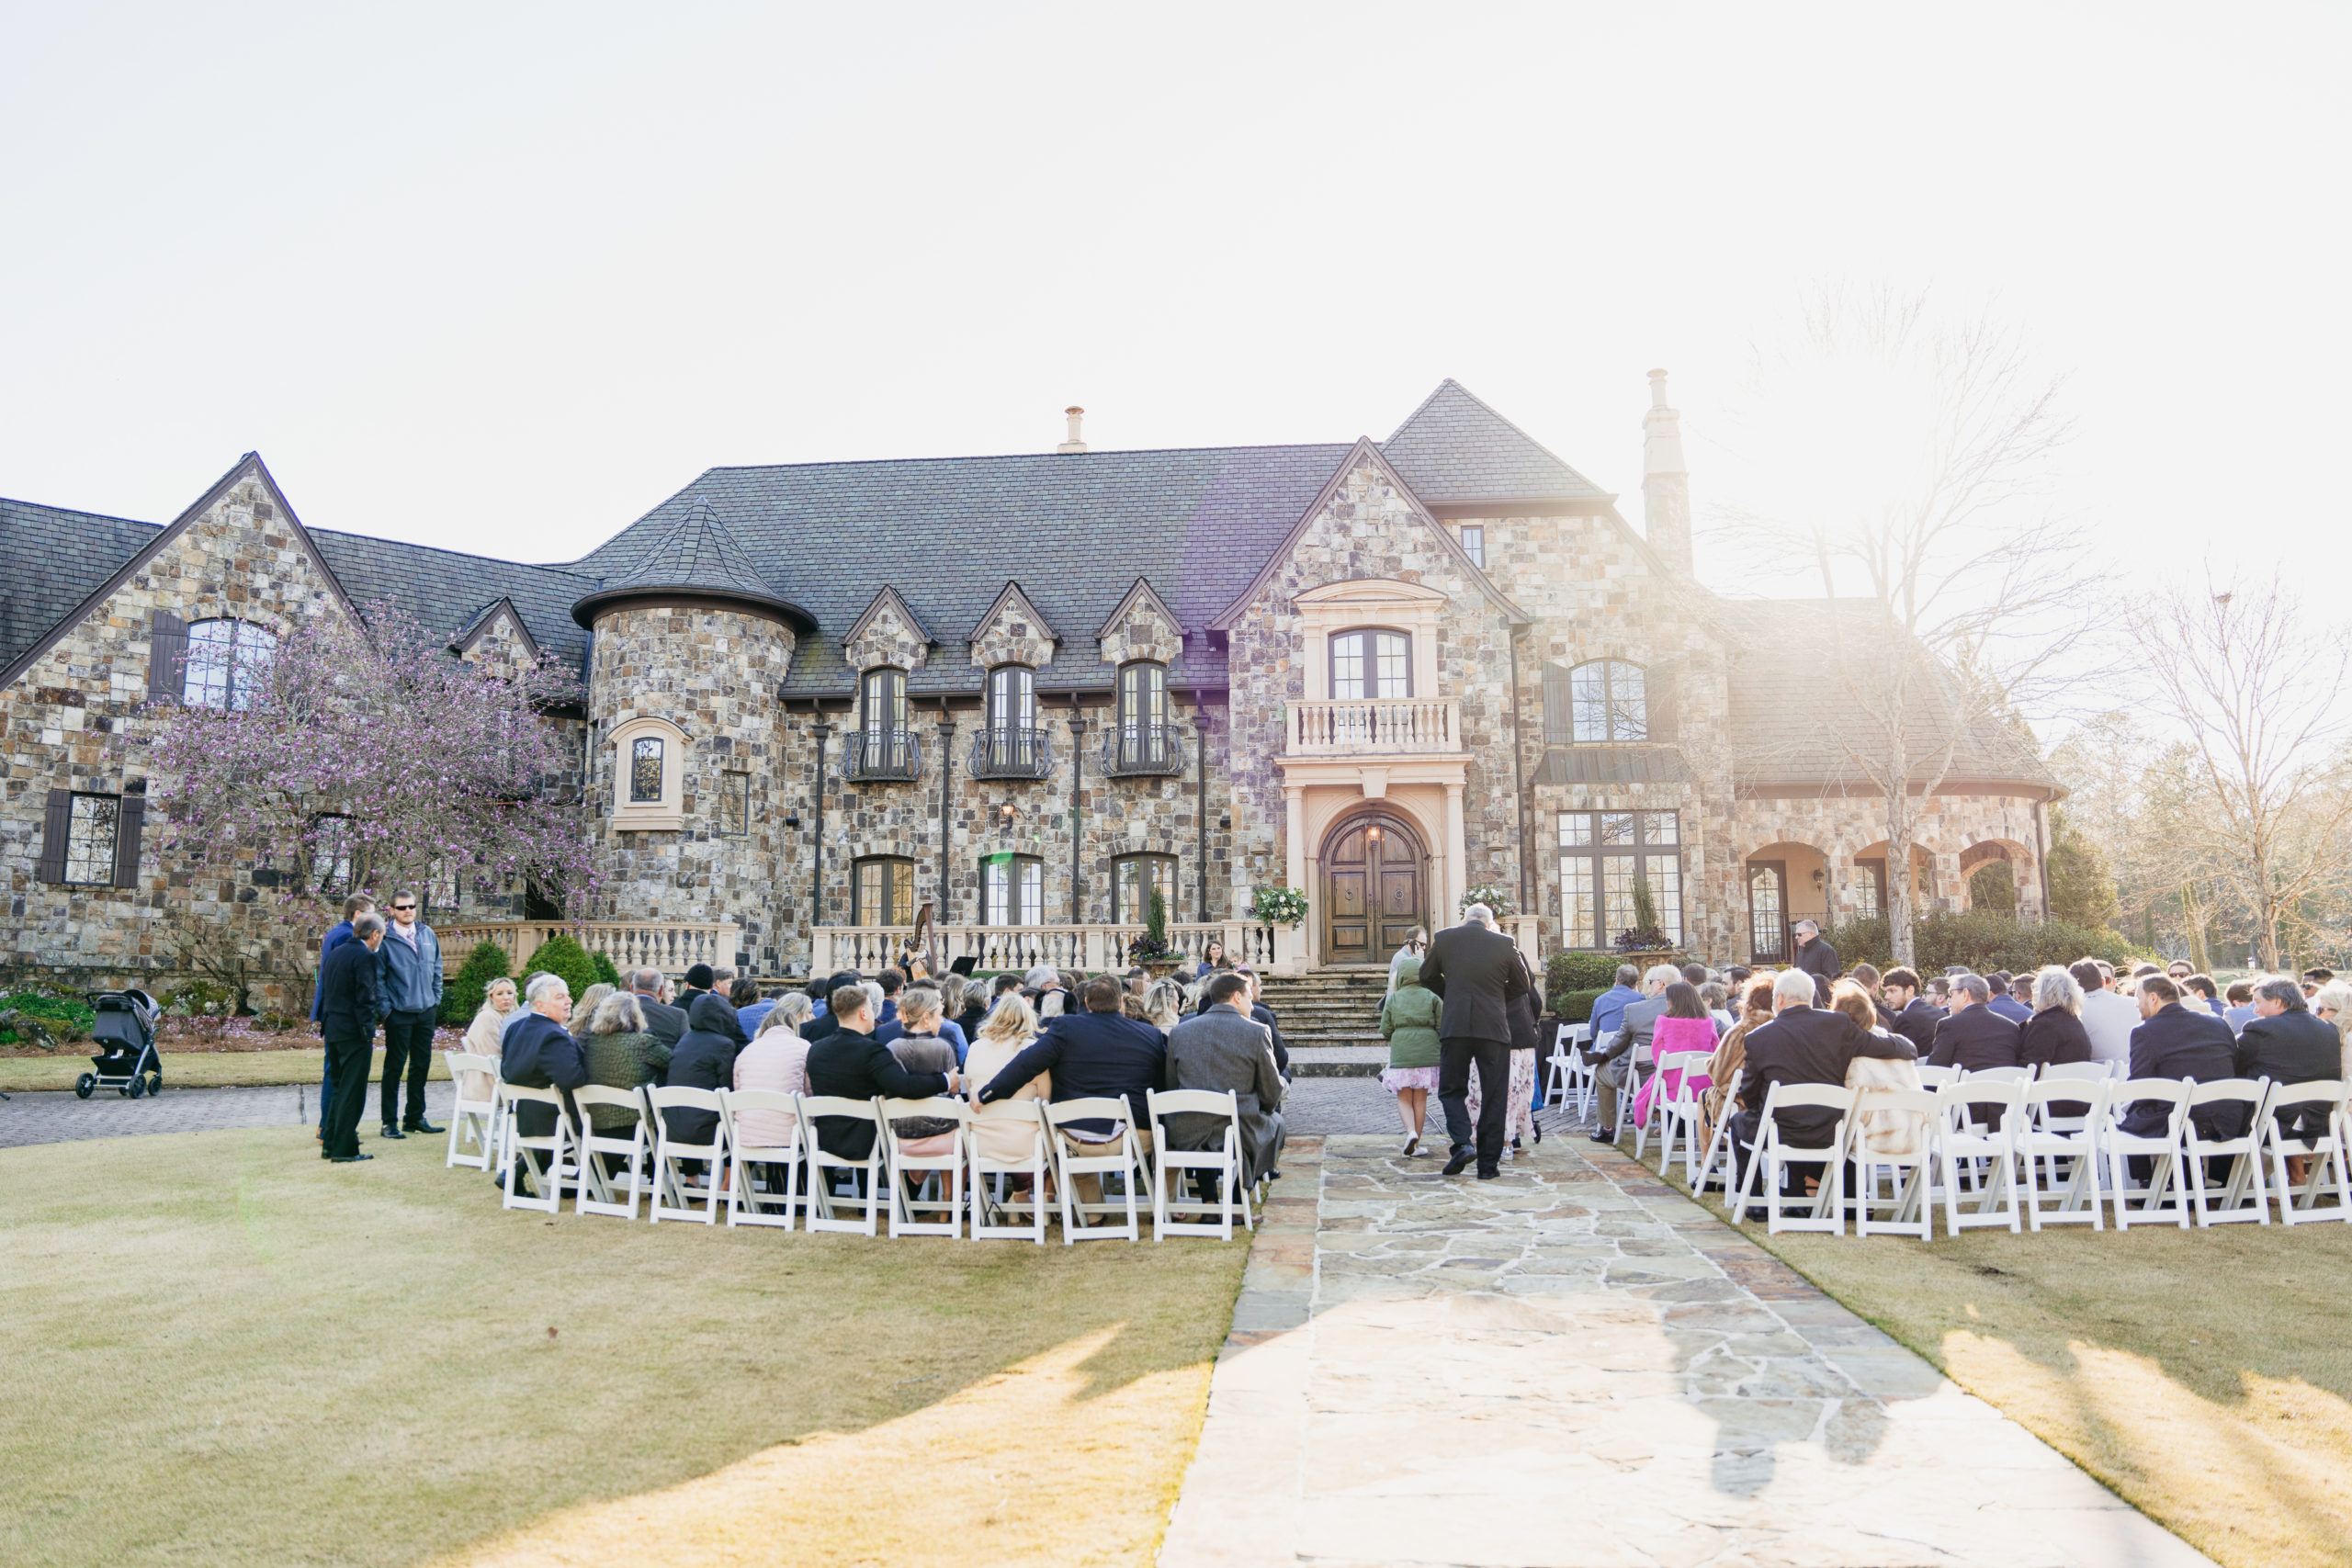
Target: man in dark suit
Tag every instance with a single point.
(2005, 1001)
(1476, 969)
(825, 1024)
(337, 934)
(2173, 1043)
(540, 1053)
(2288, 1044)
(662, 1021)
(1094, 1054)
(1260, 1013)
(1914, 1017)
(1802, 1044)
(1973, 1037)
(854, 1064)
(351, 1001)
(1815, 957)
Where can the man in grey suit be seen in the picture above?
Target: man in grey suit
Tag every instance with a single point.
(1476, 970)
(1222, 1047)
(1637, 1027)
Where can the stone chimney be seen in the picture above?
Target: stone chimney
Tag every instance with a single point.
(1074, 444)
(1665, 482)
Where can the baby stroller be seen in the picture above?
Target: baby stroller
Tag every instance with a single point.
(126, 1028)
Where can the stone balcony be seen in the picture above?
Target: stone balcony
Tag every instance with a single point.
(1383, 727)
(672, 946)
(1086, 949)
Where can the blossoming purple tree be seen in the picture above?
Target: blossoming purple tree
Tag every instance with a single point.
(366, 758)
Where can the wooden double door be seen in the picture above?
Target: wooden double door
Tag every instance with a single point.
(1375, 888)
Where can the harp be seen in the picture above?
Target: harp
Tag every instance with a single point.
(922, 956)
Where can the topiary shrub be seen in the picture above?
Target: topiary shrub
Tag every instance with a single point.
(461, 997)
(1576, 1007)
(563, 956)
(605, 973)
(1566, 972)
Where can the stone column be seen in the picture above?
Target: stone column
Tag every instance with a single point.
(1457, 858)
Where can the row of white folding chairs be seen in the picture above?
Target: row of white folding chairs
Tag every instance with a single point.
(779, 1184)
(1988, 1142)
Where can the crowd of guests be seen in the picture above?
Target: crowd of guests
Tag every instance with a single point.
(1043, 1035)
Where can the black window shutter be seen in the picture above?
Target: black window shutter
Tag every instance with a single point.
(130, 819)
(166, 658)
(1559, 721)
(56, 826)
(1662, 693)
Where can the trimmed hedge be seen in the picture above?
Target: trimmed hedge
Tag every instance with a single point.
(1576, 1007)
(563, 955)
(461, 997)
(1564, 973)
(605, 973)
(1982, 940)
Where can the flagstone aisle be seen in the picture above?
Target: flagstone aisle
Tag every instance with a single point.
(1576, 1365)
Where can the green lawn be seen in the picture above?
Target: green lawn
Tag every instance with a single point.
(2204, 1375)
(188, 1069)
(230, 1352)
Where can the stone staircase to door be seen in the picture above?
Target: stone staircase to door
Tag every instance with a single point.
(1331, 1020)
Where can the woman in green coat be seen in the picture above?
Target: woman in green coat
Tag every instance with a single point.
(1409, 1022)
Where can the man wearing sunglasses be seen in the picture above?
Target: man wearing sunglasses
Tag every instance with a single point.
(412, 957)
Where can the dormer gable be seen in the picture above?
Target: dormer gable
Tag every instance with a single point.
(497, 633)
(886, 634)
(1143, 626)
(1012, 632)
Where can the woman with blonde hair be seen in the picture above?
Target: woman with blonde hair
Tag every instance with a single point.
(1163, 1005)
(583, 1012)
(482, 1035)
(2333, 1004)
(1008, 1030)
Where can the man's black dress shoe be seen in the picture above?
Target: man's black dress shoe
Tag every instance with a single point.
(426, 1127)
(1604, 1134)
(1460, 1162)
(391, 1131)
(349, 1159)
(1488, 1175)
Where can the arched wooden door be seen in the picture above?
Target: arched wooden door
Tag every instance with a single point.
(1375, 878)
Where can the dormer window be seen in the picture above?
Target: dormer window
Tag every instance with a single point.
(1372, 663)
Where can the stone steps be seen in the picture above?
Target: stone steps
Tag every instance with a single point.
(1331, 1021)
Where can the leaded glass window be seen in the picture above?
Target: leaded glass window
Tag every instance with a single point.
(645, 770)
(90, 838)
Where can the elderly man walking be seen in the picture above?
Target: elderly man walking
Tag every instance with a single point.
(412, 956)
(351, 999)
(1475, 970)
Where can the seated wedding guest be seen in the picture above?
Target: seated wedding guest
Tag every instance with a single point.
(890, 981)
(2173, 1043)
(2109, 1016)
(965, 1001)
(1891, 1135)
(2333, 1005)
(921, 1048)
(2241, 1004)
(1163, 1005)
(1802, 1044)
(854, 1064)
(585, 1006)
(1914, 1017)
(1973, 1037)
(2199, 991)
(943, 1026)
(705, 1059)
(700, 978)
(1262, 1013)
(662, 1021)
(1095, 1053)
(1006, 1032)
(751, 1008)
(1722, 1072)
(540, 1053)
(2288, 1044)
(1716, 997)
(777, 1059)
(1868, 977)
(485, 1033)
(2005, 1001)
(1609, 1007)
(1225, 1048)
(824, 1022)
(620, 1054)
(2055, 1034)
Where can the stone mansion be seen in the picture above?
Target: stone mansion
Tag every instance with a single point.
(1027, 691)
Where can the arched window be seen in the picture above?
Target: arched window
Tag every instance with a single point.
(882, 893)
(1608, 701)
(226, 659)
(1372, 663)
(649, 776)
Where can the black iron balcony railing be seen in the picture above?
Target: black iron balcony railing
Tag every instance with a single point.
(883, 756)
(1012, 754)
(1132, 751)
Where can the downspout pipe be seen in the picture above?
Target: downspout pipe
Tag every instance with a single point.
(947, 784)
(821, 730)
(1201, 806)
(1077, 825)
(1519, 778)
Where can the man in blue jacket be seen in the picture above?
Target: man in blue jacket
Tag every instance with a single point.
(353, 908)
(411, 956)
(351, 1000)
(1609, 1007)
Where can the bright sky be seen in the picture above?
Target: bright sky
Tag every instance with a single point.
(500, 277)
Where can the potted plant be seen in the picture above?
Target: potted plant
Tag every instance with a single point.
(1646, 937)
(1277, 906)
(1151, 948)
(1494, 898)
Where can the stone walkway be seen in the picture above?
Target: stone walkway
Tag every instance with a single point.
(1576, 1365)
(61, 1118)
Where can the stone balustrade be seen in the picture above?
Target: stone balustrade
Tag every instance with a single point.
(671, 946)
(1083, 948)
(1393, 726)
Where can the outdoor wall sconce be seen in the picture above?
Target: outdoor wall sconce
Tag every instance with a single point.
(1372, 835)
(1008, 811)
(1817, 877)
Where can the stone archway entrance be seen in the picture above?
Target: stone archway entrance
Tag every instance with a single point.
(1375, 888)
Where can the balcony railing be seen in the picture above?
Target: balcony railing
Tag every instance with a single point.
(1012, 754)
(1375, 726)
(878, 756)
(672, 946)
(1133, 750)
(1088, 949)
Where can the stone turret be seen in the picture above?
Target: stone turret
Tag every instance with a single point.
(687, 653)
(1665, 482)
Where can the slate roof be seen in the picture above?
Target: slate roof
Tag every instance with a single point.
(1074, 530)
(698, 554)
(1610, 765)
(51, 559)
(1455, 449)
(1782, 648)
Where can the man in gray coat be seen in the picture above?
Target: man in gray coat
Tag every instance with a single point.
(412, 970)
(1222, 1047)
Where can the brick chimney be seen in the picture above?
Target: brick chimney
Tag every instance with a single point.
(1074, 444)
(1665, 482)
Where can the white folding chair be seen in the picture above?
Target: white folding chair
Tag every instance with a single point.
(865, 1173)
(945, 1167)
(1979, 1159)
(545, 1181)
(2165, 1195)
(2000, 1074)
(1638, 1056)
(1224, 1161)
(2243, 1153)
(757, 1170)
(1037, 1164)
(1675, 1108)
(2323, 1155)
(1119, 1157)
(676, 1194)
(1568, 1075)
(597, 1189)
(1933, 1079)
(1910, 1175)
(2049, 1141)
(474, 1121)
(1772, 1155)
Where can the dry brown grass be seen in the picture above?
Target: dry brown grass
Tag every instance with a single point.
(2206, 1376)
(229, 1352)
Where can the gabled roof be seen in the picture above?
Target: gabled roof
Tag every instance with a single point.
(1453, 450)
(1014, 598)
(888, 597)
(697, 557)
(76, 551)
(1142, 589)
(251, 467)
(463, 643)
(1363, 452)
